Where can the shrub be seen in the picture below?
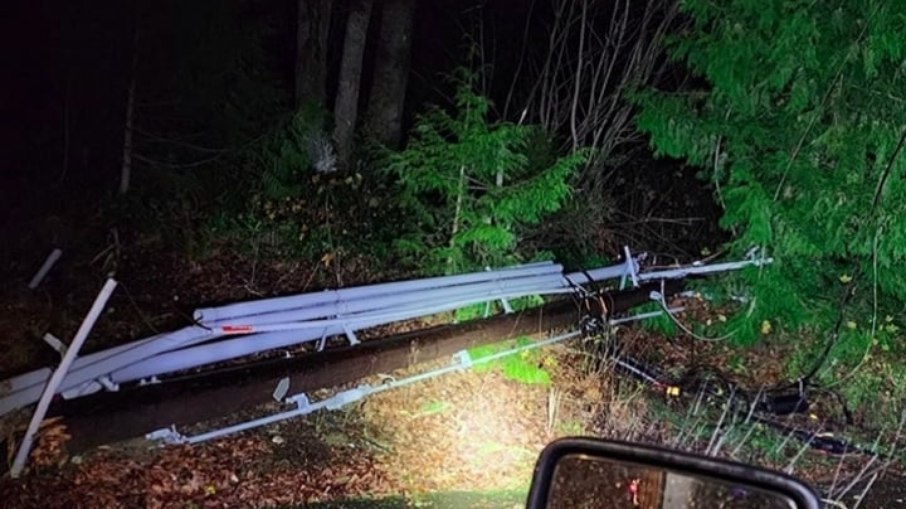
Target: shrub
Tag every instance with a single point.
(469, 185)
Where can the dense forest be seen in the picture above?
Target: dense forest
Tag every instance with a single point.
(214, 151)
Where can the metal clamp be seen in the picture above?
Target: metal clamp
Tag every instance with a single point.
(462, 359)
(300, 400)
(346, 397)
(166, 436)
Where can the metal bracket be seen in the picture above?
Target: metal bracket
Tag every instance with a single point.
(108, 384)
(631, 269)
(462, 359)
(55, 343)
(507, 309)
(166, 436)
(353, 340)
(83, 389)
(281, 389)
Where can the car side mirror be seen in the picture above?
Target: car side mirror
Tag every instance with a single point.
(590, 473)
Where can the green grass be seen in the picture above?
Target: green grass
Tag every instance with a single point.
(525, 367)
(433, 408)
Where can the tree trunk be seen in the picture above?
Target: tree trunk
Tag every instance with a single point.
(312, 31)
(126, 168)
(346, 107)
(391, 72)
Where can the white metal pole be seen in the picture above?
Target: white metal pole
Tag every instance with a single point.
(58, 374)
(45, 268)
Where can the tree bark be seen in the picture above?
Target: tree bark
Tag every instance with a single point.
(383, 120)
(312, 32)
(126, 167)
(346, 107)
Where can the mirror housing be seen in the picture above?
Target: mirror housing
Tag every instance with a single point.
(789, 490)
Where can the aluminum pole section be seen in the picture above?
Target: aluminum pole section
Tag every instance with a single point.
(682, 272)
(307, 299)
(601, 274)
(387, 303)
(44, 403)
(182, 337)
(247, 345)
(148, 357)
(461, 362)
(391, 313)
(25, 388)
(138, 350)
(40, 376)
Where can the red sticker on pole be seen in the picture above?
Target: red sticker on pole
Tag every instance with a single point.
(237, 329)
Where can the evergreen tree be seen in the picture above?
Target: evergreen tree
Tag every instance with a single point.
(800, 128)
(470, 185)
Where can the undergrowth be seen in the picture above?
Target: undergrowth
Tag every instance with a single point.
(469, 186)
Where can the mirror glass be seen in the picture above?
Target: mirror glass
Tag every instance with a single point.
(582, 481)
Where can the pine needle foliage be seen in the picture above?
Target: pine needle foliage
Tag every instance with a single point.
(284, 159)
(799, 128)
(469, 186)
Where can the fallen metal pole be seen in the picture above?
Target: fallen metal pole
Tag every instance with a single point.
(247, 345)
(135, 410)
(101, 368)
(702, 270)
(161, 354)
(388, 303)
(264, 306)
(85, 372)
(40, 376)
(461, 362)
(25, 389)
(44, 403)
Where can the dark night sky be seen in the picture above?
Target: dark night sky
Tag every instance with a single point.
(80, 49)
(67, 63)
(54, 51)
